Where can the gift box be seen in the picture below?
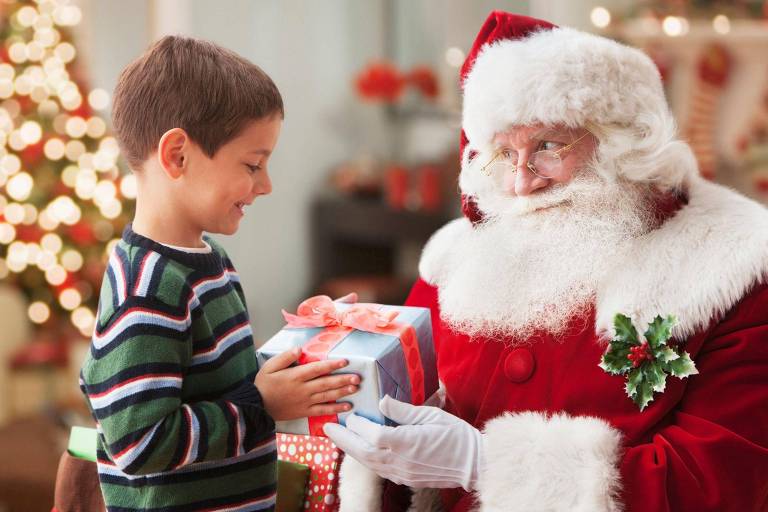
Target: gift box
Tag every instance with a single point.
(323, 459)
(292, 481)
(389, 347)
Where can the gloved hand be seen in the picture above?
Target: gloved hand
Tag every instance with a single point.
(430, 448)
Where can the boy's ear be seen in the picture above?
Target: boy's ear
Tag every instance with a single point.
(173, 152)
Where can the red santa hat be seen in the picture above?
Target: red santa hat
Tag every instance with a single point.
(523, 71)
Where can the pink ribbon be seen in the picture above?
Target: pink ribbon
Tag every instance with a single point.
(320, 311)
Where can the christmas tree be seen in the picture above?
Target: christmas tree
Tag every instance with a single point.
(63, 200)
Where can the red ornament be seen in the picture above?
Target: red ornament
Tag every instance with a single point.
(28, 234)
(396, 186)
(380, 81)
(761, 184)
(82, 233)
(32, 154)
(715, 65)
(423, 79)
(429, 187)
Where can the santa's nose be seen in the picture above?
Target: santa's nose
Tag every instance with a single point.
(523, 181)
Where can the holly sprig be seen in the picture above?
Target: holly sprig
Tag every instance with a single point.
(646, 361)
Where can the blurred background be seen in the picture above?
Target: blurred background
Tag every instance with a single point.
(364, 173)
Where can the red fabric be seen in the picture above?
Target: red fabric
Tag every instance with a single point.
(700, 445)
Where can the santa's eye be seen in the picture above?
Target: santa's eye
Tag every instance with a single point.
(550, 145)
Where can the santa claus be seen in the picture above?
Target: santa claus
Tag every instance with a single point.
(582, 208)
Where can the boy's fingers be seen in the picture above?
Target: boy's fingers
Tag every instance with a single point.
(321, 384)
(331, 395)
(327, 409)
(311, 371)
(281, 361)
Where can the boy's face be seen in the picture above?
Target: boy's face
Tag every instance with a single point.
(220, 188)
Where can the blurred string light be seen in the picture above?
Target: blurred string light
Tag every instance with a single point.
(721, 24)
(600, 17)
(60, 189)
(675, 26)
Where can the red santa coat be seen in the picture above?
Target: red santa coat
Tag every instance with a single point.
(561, 433)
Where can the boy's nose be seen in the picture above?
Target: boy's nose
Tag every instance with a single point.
(262, 185)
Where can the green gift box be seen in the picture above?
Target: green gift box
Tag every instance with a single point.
(82, 443)
(291, 486)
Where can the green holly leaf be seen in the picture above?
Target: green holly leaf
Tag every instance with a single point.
(644, 395)
(655, 376)
(683, 366)
(659, 331)
(633, 381)
(665, 355)
(615, 361)
(625, 331)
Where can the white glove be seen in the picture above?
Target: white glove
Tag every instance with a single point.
(430, 448)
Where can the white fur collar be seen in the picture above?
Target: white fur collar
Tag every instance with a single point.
(696, 266)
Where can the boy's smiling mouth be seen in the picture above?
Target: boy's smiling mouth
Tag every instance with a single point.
(241, 206)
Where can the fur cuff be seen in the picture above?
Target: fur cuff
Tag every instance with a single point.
(359, 487)
(538, 462)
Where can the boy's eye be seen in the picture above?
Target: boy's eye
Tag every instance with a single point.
(253, 168)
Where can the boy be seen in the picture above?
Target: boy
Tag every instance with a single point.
(185, 421)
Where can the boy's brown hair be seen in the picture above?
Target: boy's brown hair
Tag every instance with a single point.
(208, 91)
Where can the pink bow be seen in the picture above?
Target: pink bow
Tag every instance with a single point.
(320, 311)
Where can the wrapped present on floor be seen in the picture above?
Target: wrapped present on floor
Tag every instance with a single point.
(389, 347)
(323, 459)
(292, 481)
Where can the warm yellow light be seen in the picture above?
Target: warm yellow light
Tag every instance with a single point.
(33, 251)
(23, 85)
(17, 52)
(56, 275)
(69, 175)
(16, 141)
(10, 163)
(31, 132)
(85, 186)
(96, 128)
(73, 149)
(54, 149)
(674, 26)
(65, 51)
(111, 209)
(70, 299)
(7, 233)
(39, 94)
(83, 318)
(76, 127)
(59, 122)
(67, 15)
(6, 88)
(600, 17)
(63, 209)
(14, 213)
(454, 57)
(128, 186)
(48, 108)
(103, 161)
(30, 214)
(72, 260)
(110, 146)
(35, 51)
(39, 312)
(3, 269)
(7, 72)
(105, 191)
(721, 24)
(46, 36)
(46, 260)
(111, 246)
(17, 256)
(46, 221)
(20, 186)
(98, 99)
(51, 242)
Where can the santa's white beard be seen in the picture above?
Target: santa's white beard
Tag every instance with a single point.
(535, 263)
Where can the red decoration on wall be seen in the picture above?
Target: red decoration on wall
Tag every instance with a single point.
(424, 79)
(380, 81)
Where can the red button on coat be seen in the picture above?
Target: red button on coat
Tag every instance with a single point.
(519, 365)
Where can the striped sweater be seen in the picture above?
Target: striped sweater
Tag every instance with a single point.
(169, 380)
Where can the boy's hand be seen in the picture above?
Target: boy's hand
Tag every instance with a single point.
(304, 390)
